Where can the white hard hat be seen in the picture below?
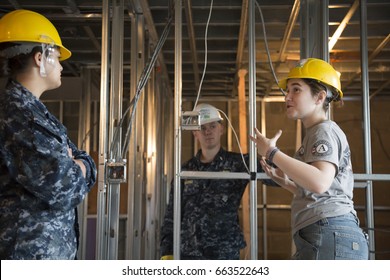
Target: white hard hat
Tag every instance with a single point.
(208, 113)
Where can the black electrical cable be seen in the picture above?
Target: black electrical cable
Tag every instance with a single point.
(113, 151)
(142, 82)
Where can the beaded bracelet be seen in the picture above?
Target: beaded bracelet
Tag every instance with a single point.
(271, 153)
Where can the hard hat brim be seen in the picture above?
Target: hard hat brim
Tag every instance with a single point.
(283, 84)
(65, 53)
(211, 120)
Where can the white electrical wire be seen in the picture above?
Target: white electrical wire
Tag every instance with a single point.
(201, 82)
(147, 70)
(205, 54)
(238, 142)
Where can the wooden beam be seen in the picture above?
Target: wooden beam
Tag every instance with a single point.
(243, 136)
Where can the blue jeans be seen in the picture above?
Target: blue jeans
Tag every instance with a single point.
(335, 238)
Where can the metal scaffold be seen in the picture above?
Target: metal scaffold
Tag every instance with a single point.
(177, 128)
(130, 158)
(315, 44)
(146, 152)
(112, 165)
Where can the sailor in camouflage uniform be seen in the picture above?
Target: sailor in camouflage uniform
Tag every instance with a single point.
(43, 176)
(209, 208)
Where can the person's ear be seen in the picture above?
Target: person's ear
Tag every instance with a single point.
(321, 97)
(37, 59)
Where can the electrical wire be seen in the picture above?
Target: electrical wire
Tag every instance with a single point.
(272, 70)
(87, 134)
(205, 54)
(143, 80)
(238, 142)
(201, 82)
(115, 138)
(267, 48)
(113, 152)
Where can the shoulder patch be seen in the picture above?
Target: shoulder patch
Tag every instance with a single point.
(321, 148)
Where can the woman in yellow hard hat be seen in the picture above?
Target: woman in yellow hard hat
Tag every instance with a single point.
(43, 174)
(324, 221)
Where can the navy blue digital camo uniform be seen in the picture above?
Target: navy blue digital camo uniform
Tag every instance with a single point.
(209, 211)
(40, 184)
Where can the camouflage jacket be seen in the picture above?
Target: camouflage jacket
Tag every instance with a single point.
(209, 211)
(40, 185)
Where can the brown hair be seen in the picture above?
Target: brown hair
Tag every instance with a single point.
(11, 66)
(316, 87)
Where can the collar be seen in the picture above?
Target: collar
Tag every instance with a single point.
(220, 156)
(18, 90)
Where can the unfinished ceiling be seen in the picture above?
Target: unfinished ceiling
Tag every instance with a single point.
(79, 23)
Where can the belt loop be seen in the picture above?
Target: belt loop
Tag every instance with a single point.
(323, 222)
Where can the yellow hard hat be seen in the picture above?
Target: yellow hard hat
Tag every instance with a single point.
(27, 26)
(316, 69)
